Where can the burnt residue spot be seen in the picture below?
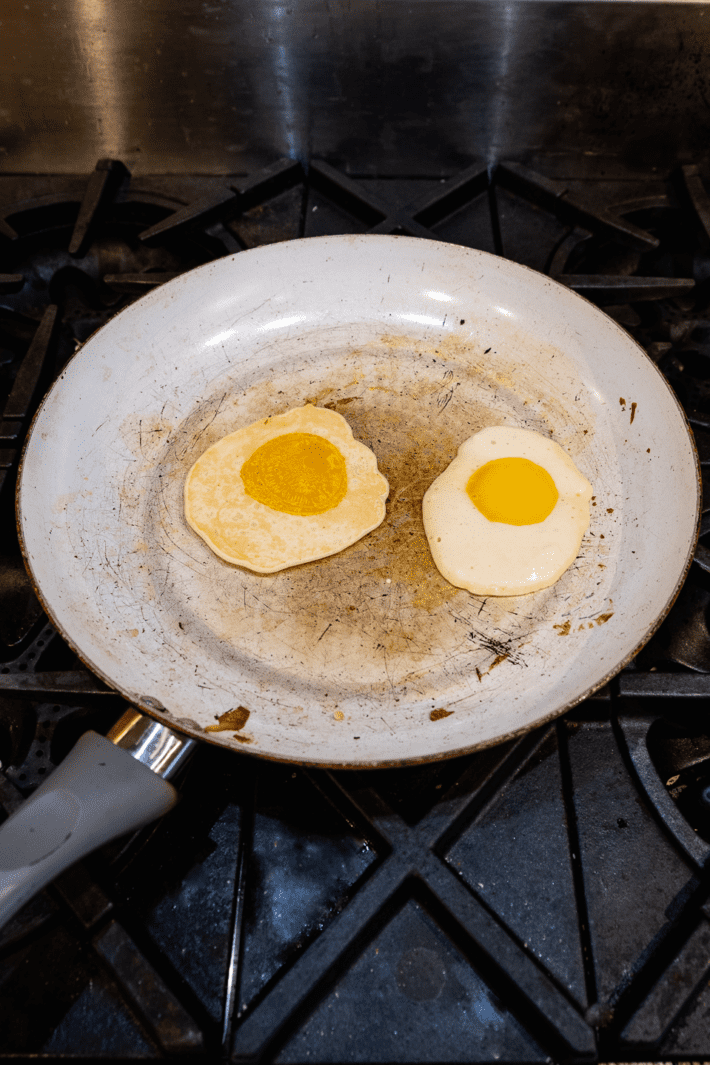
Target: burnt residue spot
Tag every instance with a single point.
(242, 739)
(500, 649)
(447, 391)
(496, 647)
(563, 630)
(436, 715)
(233, 719)
(633, 412)
(622, 401)
(603, 618)
(399, 547)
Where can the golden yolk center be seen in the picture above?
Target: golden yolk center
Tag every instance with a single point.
(296, 473)
(513, 490)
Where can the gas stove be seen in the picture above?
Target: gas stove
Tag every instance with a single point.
(546, 899)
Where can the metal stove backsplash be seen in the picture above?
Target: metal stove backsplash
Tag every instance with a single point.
(546, 899)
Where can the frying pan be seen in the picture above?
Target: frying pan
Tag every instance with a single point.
(366, 658)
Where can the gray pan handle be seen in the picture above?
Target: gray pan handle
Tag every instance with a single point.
(102, 789)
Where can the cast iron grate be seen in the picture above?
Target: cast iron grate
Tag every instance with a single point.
(543, 900)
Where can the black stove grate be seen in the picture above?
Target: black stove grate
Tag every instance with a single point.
(543, 900)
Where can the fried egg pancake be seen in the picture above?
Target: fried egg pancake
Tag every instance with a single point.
(286, 490)
(507, 516)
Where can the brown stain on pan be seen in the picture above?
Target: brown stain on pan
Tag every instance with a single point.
(440, 714)
(397, 551)
(231, 720)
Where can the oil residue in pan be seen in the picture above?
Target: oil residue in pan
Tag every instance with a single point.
(377, 617)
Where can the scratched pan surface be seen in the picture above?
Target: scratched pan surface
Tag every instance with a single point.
(368, 657)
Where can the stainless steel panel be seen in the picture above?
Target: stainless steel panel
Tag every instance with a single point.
(225, 86)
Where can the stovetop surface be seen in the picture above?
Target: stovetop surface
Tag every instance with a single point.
(543, 900)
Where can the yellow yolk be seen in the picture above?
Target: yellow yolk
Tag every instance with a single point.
(296, 473)
(513, 490)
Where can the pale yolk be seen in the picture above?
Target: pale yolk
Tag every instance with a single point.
(296, 473)
(513, 490)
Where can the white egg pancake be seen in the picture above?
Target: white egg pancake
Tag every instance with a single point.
(507, 516)
(286, 490)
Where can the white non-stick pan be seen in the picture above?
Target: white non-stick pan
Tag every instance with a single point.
(369, 657)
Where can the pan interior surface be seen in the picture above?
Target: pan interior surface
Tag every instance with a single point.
(368, 657)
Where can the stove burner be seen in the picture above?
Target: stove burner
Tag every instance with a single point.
(545, 899)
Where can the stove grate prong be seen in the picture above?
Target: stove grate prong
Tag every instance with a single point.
(264, 183)
(24, 390)
(60, 686)
(101, 188)
(377, 216)
(201, 211)
(615, 288)
(6, 230)
(137, 284)
(449, 197)
(555, 196)
(11, 282)
(267, 182)
(698, 196)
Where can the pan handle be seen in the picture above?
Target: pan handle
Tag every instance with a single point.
(103, 788)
